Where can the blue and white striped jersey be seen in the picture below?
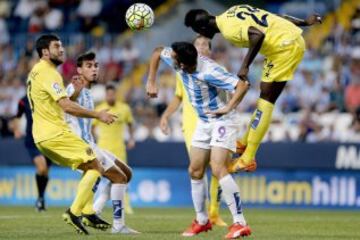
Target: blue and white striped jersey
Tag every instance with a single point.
(208, 87)
(81, 126)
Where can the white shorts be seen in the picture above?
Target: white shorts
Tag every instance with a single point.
(105, 158)
(220, 133)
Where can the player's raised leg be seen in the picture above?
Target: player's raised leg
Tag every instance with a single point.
(277, 71)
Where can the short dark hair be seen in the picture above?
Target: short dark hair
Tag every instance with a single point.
(201, 36)
(195, 15)
(88, 56)
(110, 87)
(43, 42)
(186, 53)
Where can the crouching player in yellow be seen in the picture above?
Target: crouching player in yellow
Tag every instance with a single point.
(189, 120)
(111, 138)
(79, 91)
(52, 136)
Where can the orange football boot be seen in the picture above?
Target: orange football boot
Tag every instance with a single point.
(237, 230)
(196, 228)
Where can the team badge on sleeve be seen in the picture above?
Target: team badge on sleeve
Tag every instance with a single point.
(166, 52)
(57, 88)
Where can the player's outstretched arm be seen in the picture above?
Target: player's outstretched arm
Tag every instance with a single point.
(256, 38)
(171, 108)
(151, 88)
(311, 20)
(75, 109)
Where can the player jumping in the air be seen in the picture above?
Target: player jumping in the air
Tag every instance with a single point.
(277, 38)
(79, 91)
(207, 85)
(189, 120)
(52, 136)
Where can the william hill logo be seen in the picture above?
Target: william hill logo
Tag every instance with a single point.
(347, 157)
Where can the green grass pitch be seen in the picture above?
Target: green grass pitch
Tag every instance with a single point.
(168, 223)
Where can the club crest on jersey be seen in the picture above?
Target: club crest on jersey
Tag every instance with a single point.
(89, 151)
(57, 88)
(256, 120)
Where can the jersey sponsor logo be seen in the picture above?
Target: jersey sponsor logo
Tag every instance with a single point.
(257, 119)
(57, 88)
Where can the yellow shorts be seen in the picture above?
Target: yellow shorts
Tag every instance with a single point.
(281, 66)
(67, 149)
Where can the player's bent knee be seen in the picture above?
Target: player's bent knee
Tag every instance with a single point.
(219, 171)
(115, 175)
(91, 165)
(125, 168)
(196, 173)
(128, 175)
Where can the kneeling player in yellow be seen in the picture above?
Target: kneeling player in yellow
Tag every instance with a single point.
(279, 39)
(52, 136)
(189, 120)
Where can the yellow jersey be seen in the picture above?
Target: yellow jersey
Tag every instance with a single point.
(44, 88)
(235, 22)
(111, 137)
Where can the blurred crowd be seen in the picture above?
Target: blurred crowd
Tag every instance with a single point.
(68, 16)
(322, 103)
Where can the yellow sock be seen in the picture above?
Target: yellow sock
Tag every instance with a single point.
(214, 197)
(85, 191)
(89, 206)
(244, 138)
(258, 127)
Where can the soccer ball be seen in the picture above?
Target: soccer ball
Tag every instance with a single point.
(139, 16)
